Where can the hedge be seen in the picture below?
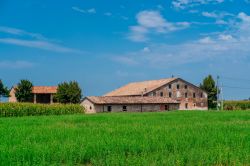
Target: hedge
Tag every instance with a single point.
(236, 105)
(30, 109)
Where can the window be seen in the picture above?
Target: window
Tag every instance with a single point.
(186, 105)
(201, 95)
(154, 93)
(186, 86)
(194, 95)
(161, 94)
(90, 108)
(169, 86)
(109, 108)
(166, 107)
(170, 94)
(186, 95)
(124, 108)
(178, 86)
(194, 105)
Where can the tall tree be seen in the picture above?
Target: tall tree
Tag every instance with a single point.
(209, 86)
(23, 91)
(4, 91)
(68, 92)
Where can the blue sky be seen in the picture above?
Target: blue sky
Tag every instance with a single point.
(106, 44)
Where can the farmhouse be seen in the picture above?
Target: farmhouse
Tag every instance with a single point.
(95, 104)
(41, 94)
(153, 95)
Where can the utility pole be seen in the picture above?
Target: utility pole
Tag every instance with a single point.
(222, 102)
(217, 86)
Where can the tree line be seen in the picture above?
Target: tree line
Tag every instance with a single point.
(67, 92)
(70, 92)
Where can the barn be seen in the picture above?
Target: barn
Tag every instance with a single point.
(96, 104)
(40, 94)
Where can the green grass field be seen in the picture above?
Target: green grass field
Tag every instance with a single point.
(170, 138)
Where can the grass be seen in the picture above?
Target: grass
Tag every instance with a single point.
(169, 138)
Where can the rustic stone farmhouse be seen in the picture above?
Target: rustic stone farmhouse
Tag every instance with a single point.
(96, 104)
(41, 94)
(153, 95)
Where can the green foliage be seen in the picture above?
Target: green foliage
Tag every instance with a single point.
(209, 86)
(4, 91)
(236, 105)
(30, 109)
(170, 138)
(23, 91)
(69, 92)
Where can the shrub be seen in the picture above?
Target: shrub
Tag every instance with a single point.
(237, 105)
(29, 109)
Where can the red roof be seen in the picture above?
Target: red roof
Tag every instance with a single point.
(44, 89)
(130, 100)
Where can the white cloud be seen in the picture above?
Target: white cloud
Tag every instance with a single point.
(206, 40)
(211, 15)
(152, 21)
(108, 14)
(138, 33)
(32, 40)
(44, 45)
(15, 64)
(232, 45)
(20, 32)
(183, 4)
(226, 37)
(146, 49)
(222, 18)
(88, 11)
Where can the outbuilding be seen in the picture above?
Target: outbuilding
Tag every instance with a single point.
(96, 104)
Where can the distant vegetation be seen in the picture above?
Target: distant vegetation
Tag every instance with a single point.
(169, 138)
(69, 92)
(29, 109)
(210, 87)
(237, 105)
(4, 91)
(23, 91)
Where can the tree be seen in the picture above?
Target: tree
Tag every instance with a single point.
(23, 91)
(68, 92)
(209, 86)
(4, 91)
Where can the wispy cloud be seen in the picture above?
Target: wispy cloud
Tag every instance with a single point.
(36, 40)
(88, 11)
(44, 45)
(108, 14)
(20, 32)
(231, 44)
(220, 17)
(152, 21)
(16, 64)
(183, 4)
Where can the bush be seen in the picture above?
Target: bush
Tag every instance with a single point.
(29, 109)
(237, 105)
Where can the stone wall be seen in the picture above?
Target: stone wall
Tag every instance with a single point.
(196, 99)
(96, 108)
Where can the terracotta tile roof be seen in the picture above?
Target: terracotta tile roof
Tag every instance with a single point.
(44, 89)
(130, 100)
(137, 88)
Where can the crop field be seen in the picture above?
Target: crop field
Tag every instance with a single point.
(166, 138)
